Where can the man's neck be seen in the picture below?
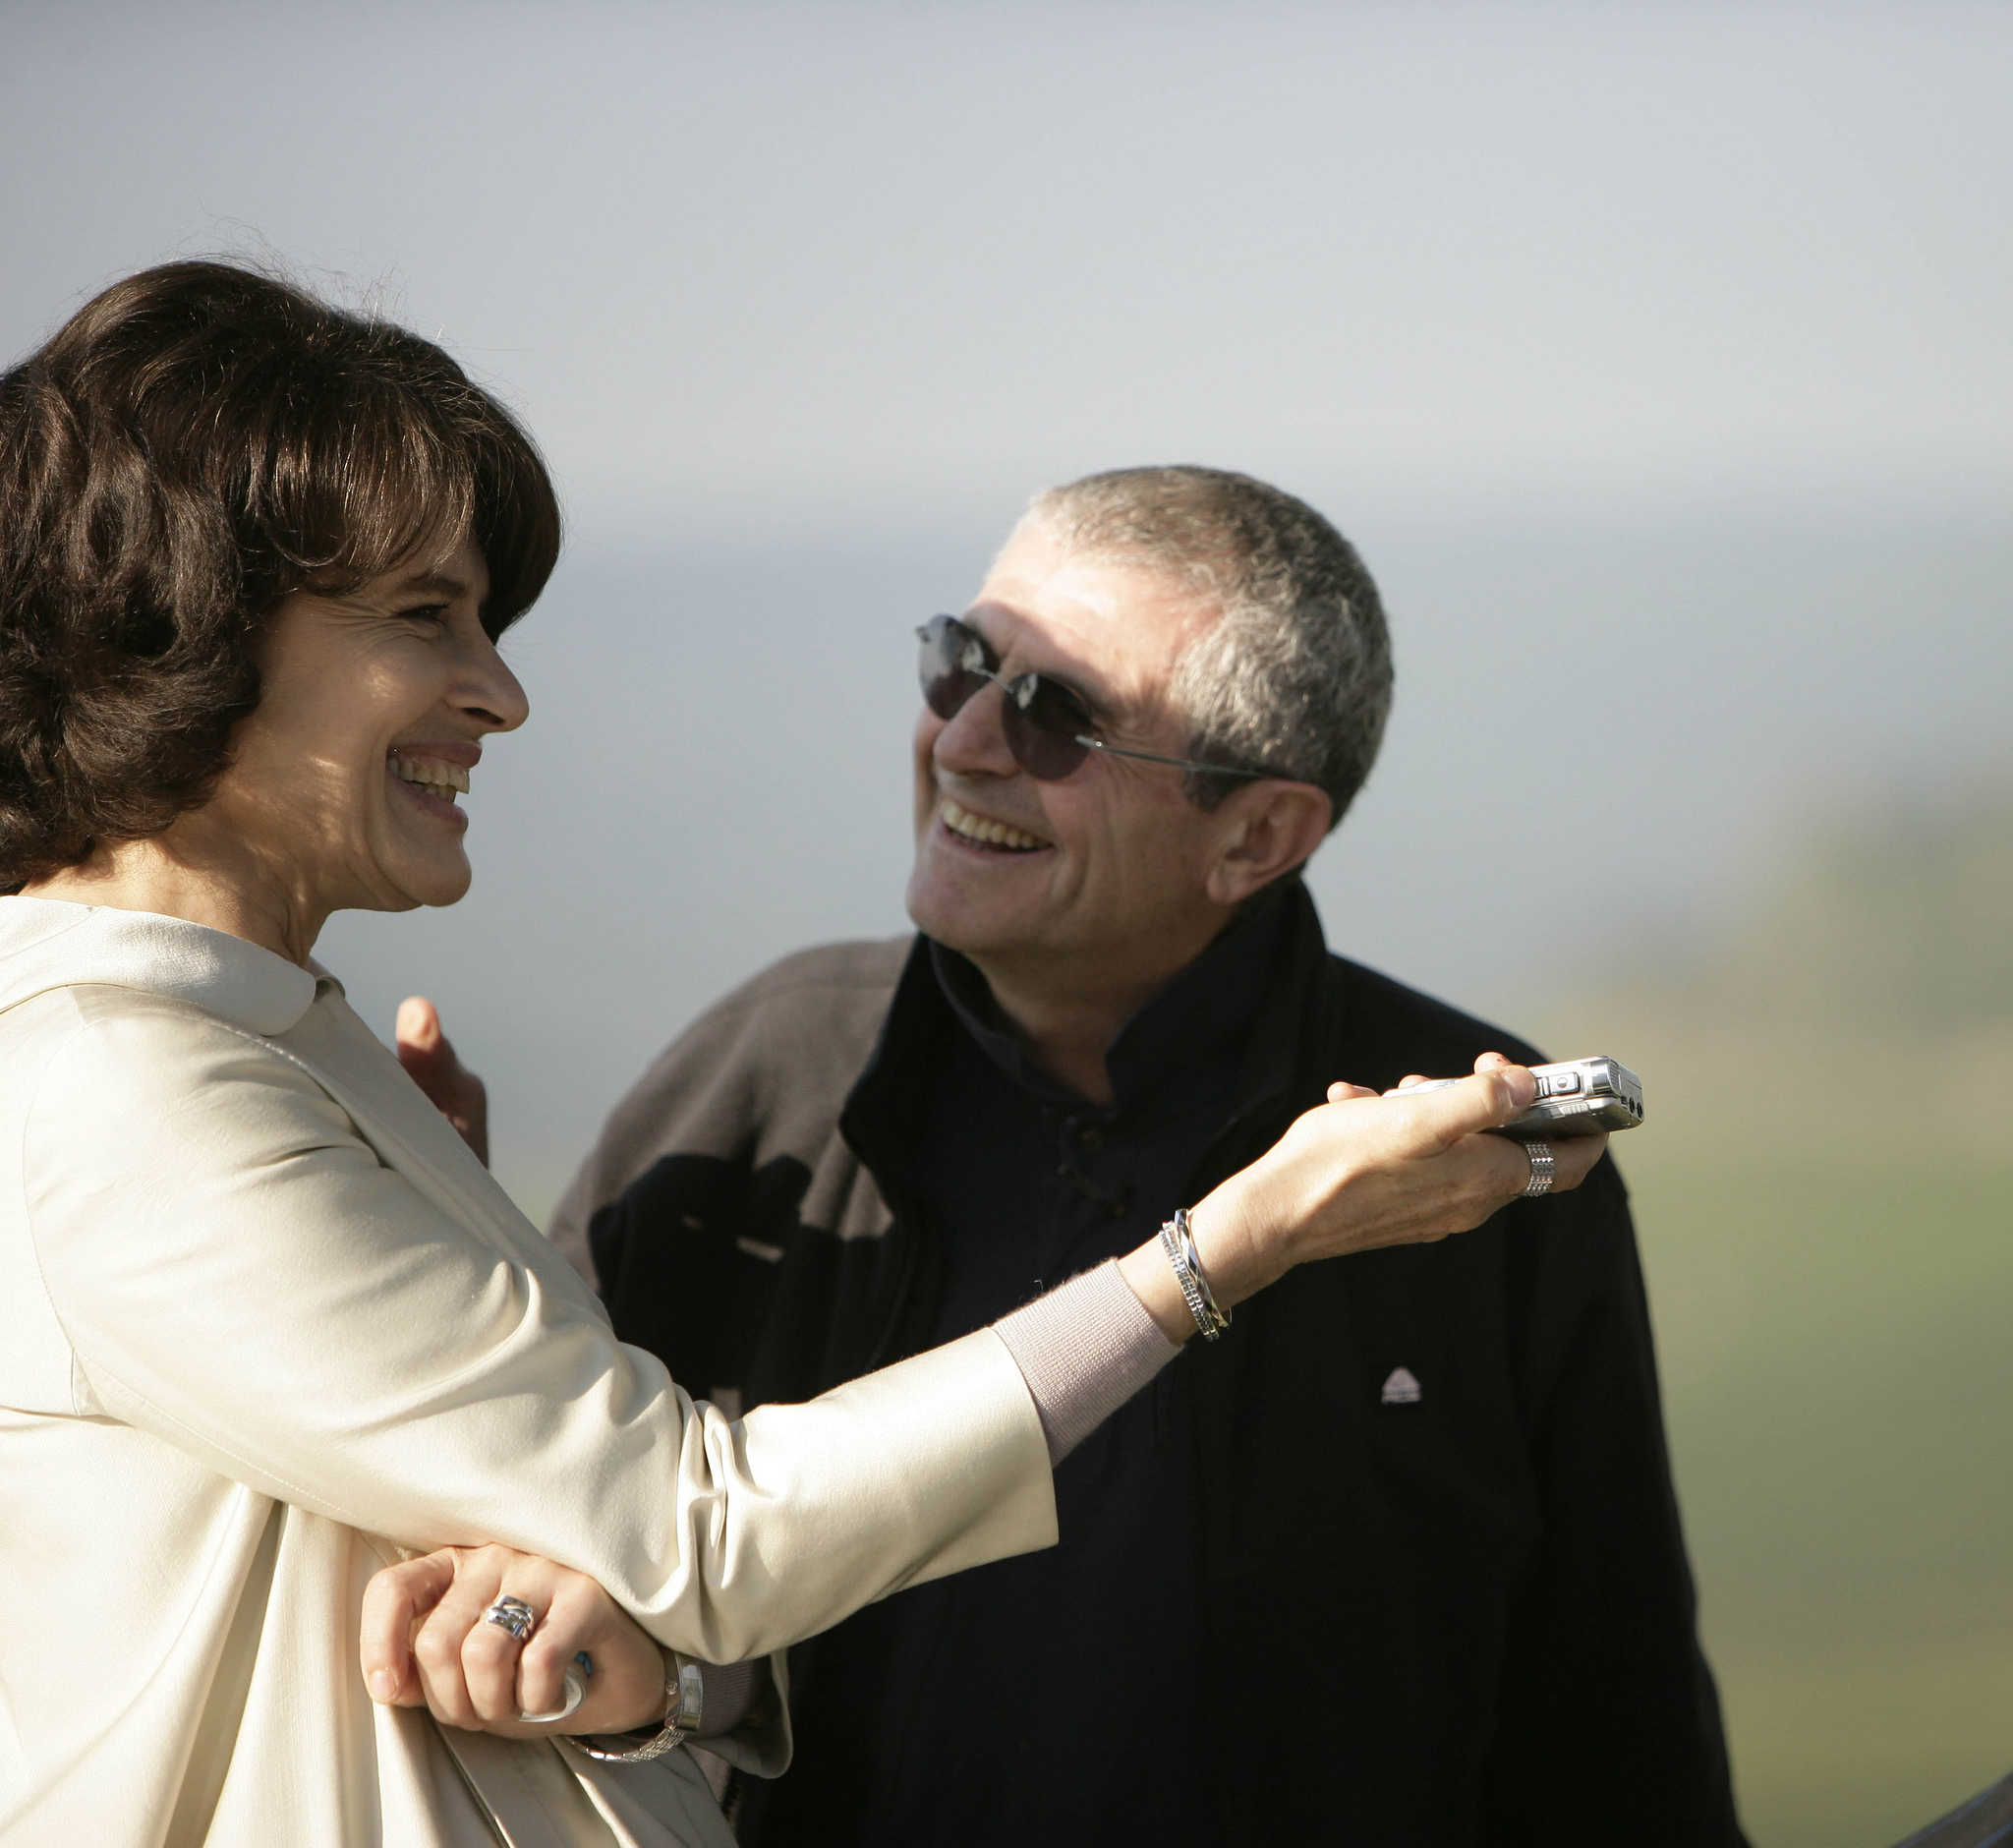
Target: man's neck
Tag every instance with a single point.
(1069, 1024)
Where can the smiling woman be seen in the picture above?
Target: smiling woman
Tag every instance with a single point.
(335, 804)
(195, 446)
(266, 1324)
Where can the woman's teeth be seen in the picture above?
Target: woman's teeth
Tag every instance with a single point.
(990, 833)
(431, 774)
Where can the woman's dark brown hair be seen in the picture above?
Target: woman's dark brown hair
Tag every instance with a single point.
(194, 444)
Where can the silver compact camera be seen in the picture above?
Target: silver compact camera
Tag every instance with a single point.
(1581, 1097)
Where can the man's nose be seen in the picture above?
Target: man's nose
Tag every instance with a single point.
(972, 742)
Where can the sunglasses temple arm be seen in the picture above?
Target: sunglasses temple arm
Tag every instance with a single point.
(1179, 762)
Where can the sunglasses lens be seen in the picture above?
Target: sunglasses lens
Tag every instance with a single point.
(947, 681)
(1040, 718)
(1042, 733)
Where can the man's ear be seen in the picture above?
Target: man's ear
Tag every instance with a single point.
(1272, 828)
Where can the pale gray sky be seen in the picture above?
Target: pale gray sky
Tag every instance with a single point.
(1655, 355)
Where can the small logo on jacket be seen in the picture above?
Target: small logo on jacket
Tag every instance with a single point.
(1402, 1388)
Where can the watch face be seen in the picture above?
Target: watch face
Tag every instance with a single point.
(691, 1706)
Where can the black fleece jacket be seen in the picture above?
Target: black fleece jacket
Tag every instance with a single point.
(1461, 1620)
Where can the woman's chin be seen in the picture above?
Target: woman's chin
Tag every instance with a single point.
(436, 881)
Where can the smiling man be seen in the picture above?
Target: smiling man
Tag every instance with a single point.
(1395, 1560)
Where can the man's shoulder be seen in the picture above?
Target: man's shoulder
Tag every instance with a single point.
(800, 1030)
(1386, 1023)
(833, 971)
(763, 1070)
(802, 1003)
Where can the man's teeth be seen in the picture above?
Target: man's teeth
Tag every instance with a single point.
(431, 774)
(993, 834)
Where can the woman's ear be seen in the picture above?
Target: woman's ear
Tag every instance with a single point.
(1271, 829)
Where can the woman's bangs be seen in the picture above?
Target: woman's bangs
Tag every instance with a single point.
(516, 520)
(385, 492)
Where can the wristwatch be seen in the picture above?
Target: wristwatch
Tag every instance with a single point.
(685, 1689)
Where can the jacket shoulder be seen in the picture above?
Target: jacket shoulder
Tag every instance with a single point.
(805, 1022)
(1390, 1026)
(832, 975)
(763, 1070)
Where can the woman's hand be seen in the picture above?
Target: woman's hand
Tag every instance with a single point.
(424, 1641)
(1358, 1172)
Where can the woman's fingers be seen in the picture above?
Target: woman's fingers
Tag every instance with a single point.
(468, 1665)
(627, 1685)
(438, 1639)
(1574, 1159)
(1488, 1062)
(1366, 1171)
(395, 1600)
(1485, 1101)
(478, 1675)
(541, 1686)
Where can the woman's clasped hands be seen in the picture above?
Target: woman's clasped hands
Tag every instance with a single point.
(428, 1642)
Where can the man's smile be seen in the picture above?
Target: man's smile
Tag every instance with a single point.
(976, 830)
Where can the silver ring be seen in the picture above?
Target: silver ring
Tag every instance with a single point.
(514, 1615)
(1542, 1168)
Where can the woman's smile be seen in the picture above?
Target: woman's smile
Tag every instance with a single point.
(430, 784)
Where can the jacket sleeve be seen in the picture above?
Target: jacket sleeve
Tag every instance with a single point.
(240, 1275)
(1608, 1724)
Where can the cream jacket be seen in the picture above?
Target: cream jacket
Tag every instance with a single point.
(266, 1324)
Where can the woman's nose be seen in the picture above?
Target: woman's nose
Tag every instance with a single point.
(491, 693)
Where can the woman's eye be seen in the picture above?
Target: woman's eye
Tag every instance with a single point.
(426, 612)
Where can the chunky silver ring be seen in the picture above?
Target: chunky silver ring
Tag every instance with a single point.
(514, 1615)
(1542, 1168)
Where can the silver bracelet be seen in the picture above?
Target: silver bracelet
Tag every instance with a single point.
(1178, 1242)
(686, 1687)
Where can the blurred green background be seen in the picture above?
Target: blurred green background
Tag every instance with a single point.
(1825, 1196)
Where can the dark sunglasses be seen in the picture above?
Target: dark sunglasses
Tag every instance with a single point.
(1048, 727)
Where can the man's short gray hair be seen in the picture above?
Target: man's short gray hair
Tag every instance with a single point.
(1296, 677)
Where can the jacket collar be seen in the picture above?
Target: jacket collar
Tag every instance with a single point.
(1201, 1017)
(878, 1110)
(50, 943)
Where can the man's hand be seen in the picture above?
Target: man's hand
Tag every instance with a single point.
(429, 1061)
